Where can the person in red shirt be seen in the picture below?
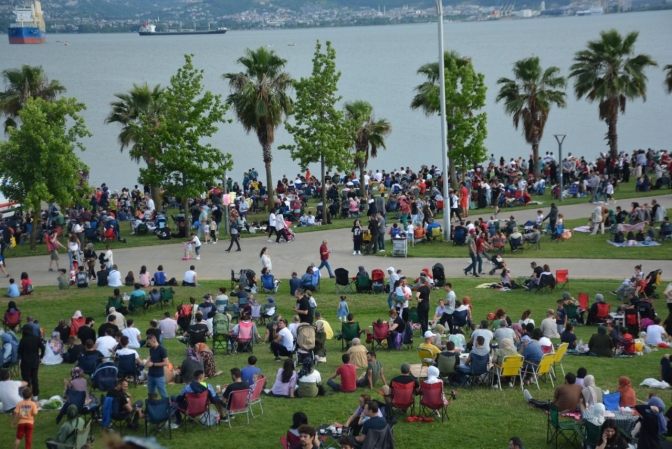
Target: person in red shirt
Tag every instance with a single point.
(348, 375)
(481, 246)
(324, 257)
(464, 200)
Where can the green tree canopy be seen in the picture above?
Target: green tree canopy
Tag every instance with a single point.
(184, 165)
(528, 98)
(261, 101)
(320, 131)
(465, 95)
(38, 162)
(127, 109)
(608, 71)
(22, 84)
(368, 134)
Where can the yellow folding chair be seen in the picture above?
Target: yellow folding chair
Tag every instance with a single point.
(559, 354)
(542, 369)
(425, 356)
(512, 366)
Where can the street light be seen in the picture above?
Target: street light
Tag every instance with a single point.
(560, 138)
(444, 127)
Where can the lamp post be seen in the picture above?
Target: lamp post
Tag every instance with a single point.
(560, 138)
(444, 126)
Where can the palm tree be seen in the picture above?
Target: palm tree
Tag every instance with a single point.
(368, 134)
(22, 84)
(608, 71)
(529, 96)
(668, 78)
(261, 101)
(141, 100)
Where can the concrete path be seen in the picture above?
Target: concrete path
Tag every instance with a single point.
(216, 264)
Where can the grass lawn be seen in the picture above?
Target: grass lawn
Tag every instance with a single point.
(581, 246)
(474, 410)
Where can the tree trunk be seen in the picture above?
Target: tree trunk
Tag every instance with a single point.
(268, 158)
(325, 209)
(362, 189)
(33, 232)
(612, 135)
(535, 156)
(187, 216)
(157, 197)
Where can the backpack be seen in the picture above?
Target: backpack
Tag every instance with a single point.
(618, 237)
(221, 324)
(408, 334)
(82, 279)
(29, 288)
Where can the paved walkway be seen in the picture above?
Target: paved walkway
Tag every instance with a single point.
(215, 263)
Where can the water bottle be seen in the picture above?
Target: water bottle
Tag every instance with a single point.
(151, 282)
(125, 297)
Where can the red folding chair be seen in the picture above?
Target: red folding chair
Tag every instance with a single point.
(403, 398)
(583, 301)
(380, 332)
(238, 404)
(432, 400)
(75, 324)
(255, 396)
(196, 405)
(603, 311)
(561, 278)
(12, 320)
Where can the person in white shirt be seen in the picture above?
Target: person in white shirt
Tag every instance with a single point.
(196, 243)
(149, 202)
(283, 343)
(133, 333)
(656, 335)
(126, 350)
(190, 277)
(293, 325)
(394, 277)
(311, 219)
(485, 333)
(114, 278)
(106, 344)
(9, 391)
(109, 257)
(168, 326)
(271, 225)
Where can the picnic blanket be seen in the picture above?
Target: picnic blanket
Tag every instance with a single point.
(637, 244)
(486, 285)
(624, 228)
(583, 229)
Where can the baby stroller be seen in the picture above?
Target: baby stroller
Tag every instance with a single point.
(498, 262)
(247, 280)
(160, 223)
(439, 275)
(305, 342)
(345, 209)
(652, 279)
(378, 280)
(288, 233)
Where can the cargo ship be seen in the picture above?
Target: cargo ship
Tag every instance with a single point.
(29, 25)
(149, 29)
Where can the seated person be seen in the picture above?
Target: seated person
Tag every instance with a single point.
(137, 299)
(429, 346)
(293, 436)
(475, 356)
(357, 353)
(516, 239)
(374, 370)
(113, 277)
(67, 434)
(534, 236)
(566, 397)
(430, 229)
(374, 422)
(397, 327)
(309, 380)
(600, 344)
(404, 378)
(197, 386)
(12, 289)
(531, 352)
(569, 337)
(348, 374)
(354, 422)
(197, 332)
(191, 365)
(101, 276)
(129, 412)
(160, 278)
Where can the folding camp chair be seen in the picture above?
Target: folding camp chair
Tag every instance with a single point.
(244, 341)
(432, 400)
(380, 332)
(157, 417)
(568, 430)
(12, 320)
(403, 398)
(81, 439)
(167, 296)
(88, 363)
(343, 283)
(363, 284)
(126, 368)
(561, 278)
(425, 356)
(479, 374)
(110, 416)
(559, 355)
(348, 332)
(234, 279)
(255, 396)
(583, 301)
(414, 320)
(512, 367)
(238, 404)
(542, 369)
(447, 367)
(196, 405)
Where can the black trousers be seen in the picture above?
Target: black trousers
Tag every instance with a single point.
(423, 317)
(235, 238)
(29, 375)
(279, 350)
(447, 318)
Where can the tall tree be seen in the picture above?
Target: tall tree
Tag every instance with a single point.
(320, 131)
(183, 165)
(668, 78)
(528, 98)
(465, 95)
(38, 162)
(608, 71)
(141, 100)
(22, 84)
(368, 134)
(261, 101)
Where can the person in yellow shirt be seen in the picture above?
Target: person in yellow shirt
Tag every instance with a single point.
(428, 345)
(24, 415)
(325, 324)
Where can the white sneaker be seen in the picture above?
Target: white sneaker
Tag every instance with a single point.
(354, 253)
(174, 426)
(269, 240)
(528, 396)
(359, 252)
(198, 257)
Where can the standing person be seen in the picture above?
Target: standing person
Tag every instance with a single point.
(552, 219)
(324, 257)
(394, 277)
(422, 296)
(373, 231)
(73, 250)
(357, 237)
(473, 254)
(265, 260)
(303, 308)
(196, 243)
(235, 234)
(454, 205)
(158, 359)
(449, 308)
(31, 352)
(381, 232)
(271, 225)
(108, 258)
(24, 416)
(280, 225)
(53, 250)
(464, 199)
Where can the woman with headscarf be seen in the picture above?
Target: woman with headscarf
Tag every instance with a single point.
(67, 434)
(362, 272)
(505, 349)
(53, 354)
(310, 381)
(320, 350)
(208, 359)
(63, 329)
(591, 394)
(628, 395)
(433, 378)
(652, 424)
(595, 414)
(190, 365)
